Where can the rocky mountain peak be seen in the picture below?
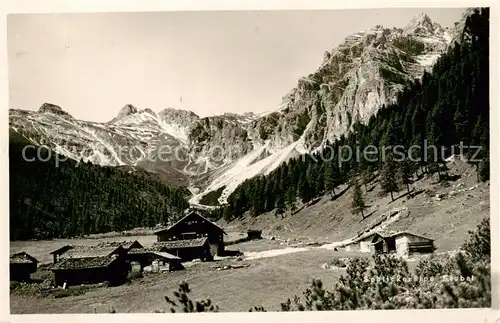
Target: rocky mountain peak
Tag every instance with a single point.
(54, 109)
(127, 110)
(421, 25)
(178, 114)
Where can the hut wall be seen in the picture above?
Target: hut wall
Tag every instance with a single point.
(254, 234)
(115, 274)
(188, 254)
(364, 245)
(195, 227)
(21, 271)
(80, 276)
(409, 244)
(146, 259)
(353, 247)
(402, 246)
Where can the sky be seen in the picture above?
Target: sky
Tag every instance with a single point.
(92, 64)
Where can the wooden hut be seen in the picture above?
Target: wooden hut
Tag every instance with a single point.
(254, 234)
(90, 270)
(22, 265)
(91, 264)
(402, 243)
(186, 249)
(195, 226)
(145, 257)
(407, 244)
(68, 251)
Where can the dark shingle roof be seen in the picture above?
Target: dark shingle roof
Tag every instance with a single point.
(124, 244)
(410, 234)
(166, 255)
(101, 249)
(61, 250)
(177, 244)
(388, 234)
(91, 251)
(83, 263)
(22, 258)
(187, 216)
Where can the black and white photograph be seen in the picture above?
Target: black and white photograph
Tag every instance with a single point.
(249, 160)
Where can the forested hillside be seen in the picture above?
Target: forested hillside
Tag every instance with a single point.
(447, 107)
(76, 199)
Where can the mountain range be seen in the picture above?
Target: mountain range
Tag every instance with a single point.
(217, 153)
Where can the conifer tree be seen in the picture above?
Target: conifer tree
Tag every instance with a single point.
(331, 178)
(291, 199)
(304, 189)
(404, 174)
(388, 179)
(358, 204)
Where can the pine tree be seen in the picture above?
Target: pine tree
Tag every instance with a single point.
(304, 189)
(331, 178)
(291, 199)
(388, 180)
(367, 176)
(404, 174)
(358, 204)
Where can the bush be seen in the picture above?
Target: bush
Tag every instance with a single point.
(478, 246)
(186, 304)
(388, 283)
(430, 267)
(339, 262)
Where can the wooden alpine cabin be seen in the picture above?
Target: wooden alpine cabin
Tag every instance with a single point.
(90, 264)
(196, 228)
(22, 265)
(146, 257)
(402, 243)
(114, 246)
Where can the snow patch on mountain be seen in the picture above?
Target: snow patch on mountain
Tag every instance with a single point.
(247, 167)
(427, 60)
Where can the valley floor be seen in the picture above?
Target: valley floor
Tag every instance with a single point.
(267, 281)
(275, 270)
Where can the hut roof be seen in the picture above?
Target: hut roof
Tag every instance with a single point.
(22, 258)
(138, 251)
(367, 235)
(91, 251)
(61, 250)
(178, 244)
(124, 244)
(103, 246)
(151, 251)
(83, 263)
(400, 233)
(166, 255)
(185, 217)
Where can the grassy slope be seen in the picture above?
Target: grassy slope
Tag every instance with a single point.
(447, 221)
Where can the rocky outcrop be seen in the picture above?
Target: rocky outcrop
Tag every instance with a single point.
(53, 109)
